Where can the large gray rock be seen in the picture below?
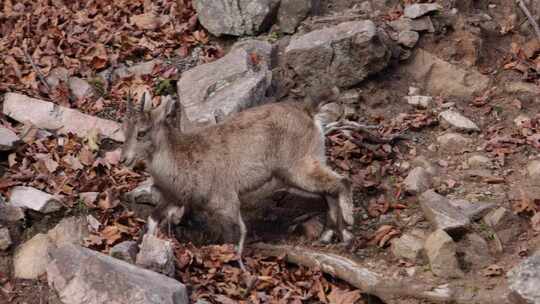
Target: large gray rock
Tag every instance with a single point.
(292, 12)
(443, 78)
(8, 139)
(31, 258)
(441, 252)
(347, 53)
(157, 255)
(46, 115)
(420, 9)
(83, 276)
(442, 215)
(458, 121)
(32, 198)
(524, 280)
(231, 84)
(71, 230)
(235, 17)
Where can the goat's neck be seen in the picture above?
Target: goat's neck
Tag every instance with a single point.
(162, 160)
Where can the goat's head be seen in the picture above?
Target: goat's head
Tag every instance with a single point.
(141, 126)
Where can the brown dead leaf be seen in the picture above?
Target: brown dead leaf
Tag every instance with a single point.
(383, 235)
(113, 157)
(111, 234)
(493, 271)
(108, 200)
(86, 156)
(89, 198)
(340, 296)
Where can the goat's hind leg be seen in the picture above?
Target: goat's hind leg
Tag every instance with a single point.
(314, 176)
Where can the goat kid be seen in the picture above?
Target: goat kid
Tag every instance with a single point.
(246, 157)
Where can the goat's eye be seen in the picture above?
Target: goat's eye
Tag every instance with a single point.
(141, 134)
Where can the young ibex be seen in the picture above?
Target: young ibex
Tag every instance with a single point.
(245, 157)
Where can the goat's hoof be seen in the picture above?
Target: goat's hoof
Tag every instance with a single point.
(326, 236)
(346, 236)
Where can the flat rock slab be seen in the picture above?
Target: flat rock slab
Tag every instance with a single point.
(46, 115)
(211, 91)
(442, 215)
(347, 53)
(83, 276)
(420, 9)
(235, 17)
(458, 121)
(32, 198)
(473, 211)
(31, 258)
(8, 139)
(443, 78)
(524, 280)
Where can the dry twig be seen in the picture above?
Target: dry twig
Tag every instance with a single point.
(34, 66)
(532, 21)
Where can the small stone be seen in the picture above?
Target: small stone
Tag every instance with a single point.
(5, 238)
(31, 258)
(497, 217)
(473, 211)
(137, 70)
(414, 91)
(312, 229)
(458, 121)
(478, 161)
(125, 251)
(442, 214)
(441, 253)
(408, 38)
(522, 121)
(533, 169)
(417, 181)
(524, 280)
(421, 161)
(453, 141)
(408, 246)
(475, 251)
(521, 87)
(419, 101)
(9, 213)
(8, 139)
(416, 10)
(31, 198)
(80, 88)
(157, 255)
(57, 75)
(145, 193)
(71, 230)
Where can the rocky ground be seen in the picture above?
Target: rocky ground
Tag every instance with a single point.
(437, 124)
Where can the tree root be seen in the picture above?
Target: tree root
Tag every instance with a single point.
(387, 289)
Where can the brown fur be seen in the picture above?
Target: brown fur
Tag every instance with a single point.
(245, 157)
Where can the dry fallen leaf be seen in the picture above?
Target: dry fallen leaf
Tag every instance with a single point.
(493, 271)
(339, 296)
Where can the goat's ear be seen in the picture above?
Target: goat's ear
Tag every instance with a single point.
(166, 110)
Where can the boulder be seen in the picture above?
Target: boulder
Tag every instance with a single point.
(418, 181)
(32, 198)
(408, 38)
(8, 139)
(409, 246)
(71, 230)
(458, 121)
(443, 78)
(231, 84)
(31, 258)
(420, 9)
(157, 255)
(418, 25)
(125, 251)
(5, 238)
(235, 17)
(292, 12)
(83, 276)
(441, 253)
(347, 53)
(442, 215)
(524, 280)
(46, 115)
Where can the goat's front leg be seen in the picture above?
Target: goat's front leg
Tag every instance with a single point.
(227, 209)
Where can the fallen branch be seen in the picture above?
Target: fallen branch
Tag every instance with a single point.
(527, 13)
(345, 126)
(362, 278)
(38, 72)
